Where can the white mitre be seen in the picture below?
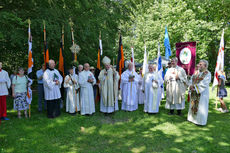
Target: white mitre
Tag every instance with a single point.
(106, 60)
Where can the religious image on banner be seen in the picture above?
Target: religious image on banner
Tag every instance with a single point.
(186, 54)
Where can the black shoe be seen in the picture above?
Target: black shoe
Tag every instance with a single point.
(171, 112)
(179, 113)
(152, 113)
(73, 114)
(5, 119)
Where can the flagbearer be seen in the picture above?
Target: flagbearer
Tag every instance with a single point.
(199, 87)
(72, 98)
(222, 92)
(86, 82)
(4, 86)
(129, 82)
(176, 80)
(39, 75)
(52, 83)
(109, 87)
(219, 77)
(150, 88)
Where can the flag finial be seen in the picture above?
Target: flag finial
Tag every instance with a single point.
(44, 24)
(71, 22)
(63, 29)
(29, 21)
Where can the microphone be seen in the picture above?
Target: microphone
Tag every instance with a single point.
(106, 71)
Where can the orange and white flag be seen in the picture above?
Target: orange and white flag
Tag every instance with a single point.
(30, 58)
(30, 67)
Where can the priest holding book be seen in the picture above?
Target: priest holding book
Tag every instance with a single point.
(129, 84)
(86, 82)
(150, 88)
(52, 81)
(176, 85)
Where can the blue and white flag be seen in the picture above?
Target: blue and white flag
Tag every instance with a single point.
(159, 62)
(167, 44)
(160, 72)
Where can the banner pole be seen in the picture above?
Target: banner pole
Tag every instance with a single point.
(29, 22)
(217, 90)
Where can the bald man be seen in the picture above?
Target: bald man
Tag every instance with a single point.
(52, 81)
(86, 82)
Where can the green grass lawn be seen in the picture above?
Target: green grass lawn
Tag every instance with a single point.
(121, 132)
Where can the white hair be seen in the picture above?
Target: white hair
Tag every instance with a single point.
(175, 58)
(80, 65)
(151, 65)
(205, 62)
(86, 64)
(130, 64)
(50, 61)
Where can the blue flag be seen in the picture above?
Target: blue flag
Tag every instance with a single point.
(167, 44)
(160, 72)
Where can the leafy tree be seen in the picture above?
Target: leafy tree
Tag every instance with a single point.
(186, 20)
(139, 21)
(89, 18)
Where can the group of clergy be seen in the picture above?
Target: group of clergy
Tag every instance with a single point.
(79, 91)
(135, 89)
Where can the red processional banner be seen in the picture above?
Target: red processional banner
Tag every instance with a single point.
(186, 54)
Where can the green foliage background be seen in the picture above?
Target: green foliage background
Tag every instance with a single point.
(139, 21)
(186, 20)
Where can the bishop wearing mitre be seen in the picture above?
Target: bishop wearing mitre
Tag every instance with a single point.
(109, 87)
